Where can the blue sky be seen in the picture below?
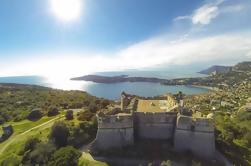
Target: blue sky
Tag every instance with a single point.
(118, 35)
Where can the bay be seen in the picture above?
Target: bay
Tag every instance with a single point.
(108, 91)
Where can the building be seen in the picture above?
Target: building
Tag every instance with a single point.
(156, 118)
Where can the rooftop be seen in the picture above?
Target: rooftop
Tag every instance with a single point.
(152, 106)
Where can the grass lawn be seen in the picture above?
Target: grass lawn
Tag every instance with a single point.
(24, 130)
(87, 160)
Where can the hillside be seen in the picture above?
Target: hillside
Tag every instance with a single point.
(243, 66)
(216, 69)
(17, 101)
(70, 113)
(228, 105)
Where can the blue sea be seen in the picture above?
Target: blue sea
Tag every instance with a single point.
(112, 91)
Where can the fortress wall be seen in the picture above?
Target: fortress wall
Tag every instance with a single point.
(115, 121)
(195, 135)
(155, 125)
(114, 131)
(114, 138)
(199, 143)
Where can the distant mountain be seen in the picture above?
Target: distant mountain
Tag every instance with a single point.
(216, 69)
(243, 66)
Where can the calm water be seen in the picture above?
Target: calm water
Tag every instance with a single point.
(109, 91)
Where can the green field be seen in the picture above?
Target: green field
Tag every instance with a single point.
(24, 130)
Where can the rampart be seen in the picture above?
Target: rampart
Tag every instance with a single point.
(158, 119)
(155, 125)
(114, 131)
(195, 135)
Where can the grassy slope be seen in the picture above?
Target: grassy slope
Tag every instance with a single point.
(22, 131)
(40, 129)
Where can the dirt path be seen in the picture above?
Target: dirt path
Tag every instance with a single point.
(41, 125)
(25, 132)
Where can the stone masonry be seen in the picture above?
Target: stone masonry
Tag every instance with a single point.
(158, 118)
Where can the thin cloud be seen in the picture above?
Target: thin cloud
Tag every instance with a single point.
(209, 11)
(182, 18)
(205, 14)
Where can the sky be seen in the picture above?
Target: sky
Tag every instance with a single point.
(67, 38)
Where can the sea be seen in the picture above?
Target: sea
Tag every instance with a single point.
(113, 90)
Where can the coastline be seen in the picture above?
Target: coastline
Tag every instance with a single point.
(205, 87)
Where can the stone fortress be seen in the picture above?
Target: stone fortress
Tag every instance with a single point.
(160, 118)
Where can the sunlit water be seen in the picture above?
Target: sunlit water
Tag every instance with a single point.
(109, 91)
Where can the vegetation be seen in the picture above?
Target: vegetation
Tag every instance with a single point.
(18, 101)
(227, 104)
(65, 156)
(88, 161)
(59, 134)
(41, 137)
(233, 136)
(35, 114)
(32, 111)
(53, 111)
(23, 130)
(69, 115)
(43, 147)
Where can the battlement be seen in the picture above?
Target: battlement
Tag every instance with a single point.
(115, 121)
(194, 124)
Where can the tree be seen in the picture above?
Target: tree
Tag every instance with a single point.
(59, 134)
(30, 144)
(53, 111)
(85, 116)
(35, 114)
(66, 156)
(69, 115)
(2, 120)
(92, 108)
(104, 103)
(40, 155)
(88, 127)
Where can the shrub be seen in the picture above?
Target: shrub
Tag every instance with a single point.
(30, 144)
(69, 115)
(2, 120)
(59, 134)
(104, 103)
(88, 127)
(92, 108)
(66, 156)
(40, 155)
(53, 111)
(35, 114)
(85, 116)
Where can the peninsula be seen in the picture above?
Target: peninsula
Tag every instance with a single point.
(216, 75)
(116, 79)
